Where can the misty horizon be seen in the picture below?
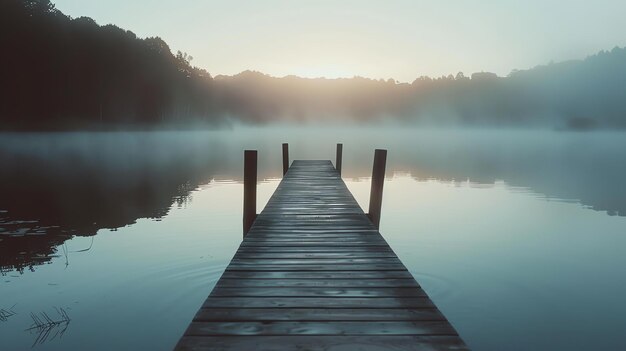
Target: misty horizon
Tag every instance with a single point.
(397, 39)
(106, 77)
(450, 72)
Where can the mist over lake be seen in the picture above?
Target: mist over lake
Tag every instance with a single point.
(472, 213)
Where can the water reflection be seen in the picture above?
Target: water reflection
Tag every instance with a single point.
(56, 186)
(152, 273)
(493, 254)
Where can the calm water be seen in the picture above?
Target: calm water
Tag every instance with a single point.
(519, 237)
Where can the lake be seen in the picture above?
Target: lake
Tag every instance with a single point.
(519, 237)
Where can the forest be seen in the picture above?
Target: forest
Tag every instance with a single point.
(63, 73)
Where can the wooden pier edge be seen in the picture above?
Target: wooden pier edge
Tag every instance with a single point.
(314, 273)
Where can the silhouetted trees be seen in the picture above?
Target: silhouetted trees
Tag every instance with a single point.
(59, 72)
(64, 73)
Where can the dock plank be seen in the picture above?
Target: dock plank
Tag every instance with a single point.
(321, 328)
(334, 342)
(334, 283)
(318, 314)
(314, 273)
(316, 292)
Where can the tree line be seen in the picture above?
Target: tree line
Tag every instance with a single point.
(71, 73)
(60, 72)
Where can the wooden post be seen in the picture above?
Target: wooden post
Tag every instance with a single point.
(249, 189)
(376, 192)
(338, 159)
(285, 158)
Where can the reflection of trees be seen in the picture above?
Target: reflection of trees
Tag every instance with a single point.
(55, 186)
(49, 196)
(24, 252)
(584, 167)
(580, 167)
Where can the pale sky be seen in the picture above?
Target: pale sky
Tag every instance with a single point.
(400, 39)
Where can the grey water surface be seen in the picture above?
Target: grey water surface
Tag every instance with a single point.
(518, 236)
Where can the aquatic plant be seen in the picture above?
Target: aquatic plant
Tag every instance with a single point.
(48, 328)
(5, 314)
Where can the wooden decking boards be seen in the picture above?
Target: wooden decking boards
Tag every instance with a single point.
(313, 273)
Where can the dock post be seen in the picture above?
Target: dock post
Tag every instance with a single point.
(338, 158)
(376, 192)
(285, 158)
(249, 189)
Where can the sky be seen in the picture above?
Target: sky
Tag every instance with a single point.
(400, 39)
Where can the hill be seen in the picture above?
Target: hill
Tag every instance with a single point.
(71, 73)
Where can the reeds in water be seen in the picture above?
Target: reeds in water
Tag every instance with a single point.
(49, 328)
(5, 314)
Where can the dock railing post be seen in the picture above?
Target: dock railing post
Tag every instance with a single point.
(285, 158)
(338, 158)
(376, 192)
(249, 189)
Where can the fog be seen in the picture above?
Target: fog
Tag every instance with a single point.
(579, 95)
(77, 183)
(106, 78)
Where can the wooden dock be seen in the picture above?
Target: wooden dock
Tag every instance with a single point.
(314, 273)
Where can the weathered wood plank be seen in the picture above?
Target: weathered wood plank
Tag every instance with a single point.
(316, 275)
(317, 302)
(304, 244)
(340, 241)
(316, 292)
(301, 235)
(318, 314)
(243, 259)
(327, 343)
(314, 255)
(334, 283)
(313, 249)
(315, 267)
(322, 328)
